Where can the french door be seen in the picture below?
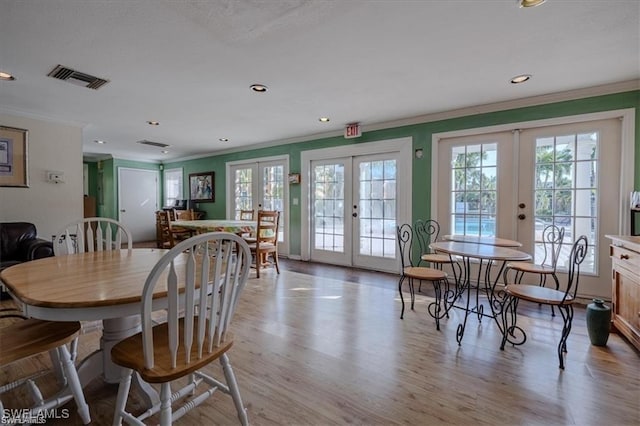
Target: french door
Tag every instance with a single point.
(354, 210)
(512, 184)
(260, 185)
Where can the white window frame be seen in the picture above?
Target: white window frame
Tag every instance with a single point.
(177, 171)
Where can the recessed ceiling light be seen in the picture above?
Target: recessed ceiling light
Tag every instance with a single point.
(153, 123)
(164, 151)
(224, 139)
(324, 119)
(520, 78)
(5, 76)
(260, 88)
(101, 142)
(530, 3)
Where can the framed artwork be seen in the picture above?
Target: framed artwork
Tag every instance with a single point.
(201, 187)
(13, 157)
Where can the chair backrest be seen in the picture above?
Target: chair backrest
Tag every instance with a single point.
(247, 215)
(204, 277)
(267, 226)
(164, 227)
(552, 238)
(92, 234)
(405, 244)
(427, 232)
(577, 255)
(184, 214)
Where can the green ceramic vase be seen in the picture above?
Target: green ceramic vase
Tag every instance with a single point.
(598, 322)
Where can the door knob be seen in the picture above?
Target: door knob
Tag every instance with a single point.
(354, 214)
(123, 211)
(522, 205)
(522, 216)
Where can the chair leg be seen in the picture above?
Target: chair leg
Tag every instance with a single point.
(233, 389)
(401, 297)
(123, 393)
(275, 260)
(436, 305)
(567, 316)
(165, 404)
(74, 383)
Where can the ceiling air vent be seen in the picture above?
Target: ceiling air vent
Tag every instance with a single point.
(151, 143)
(76, 77)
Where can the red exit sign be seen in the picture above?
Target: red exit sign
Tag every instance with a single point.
(352, 130)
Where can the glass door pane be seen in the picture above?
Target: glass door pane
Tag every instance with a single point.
(375, 179)
(243, 189)
(560, 177)
(328, 211)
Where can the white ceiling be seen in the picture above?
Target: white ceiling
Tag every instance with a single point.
(189, 64)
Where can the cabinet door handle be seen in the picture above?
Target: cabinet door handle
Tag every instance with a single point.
(624, 256)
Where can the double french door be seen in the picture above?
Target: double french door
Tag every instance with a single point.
(260, 185)
(513, 184)
(355, 205)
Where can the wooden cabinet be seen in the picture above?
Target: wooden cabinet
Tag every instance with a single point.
(625, 261)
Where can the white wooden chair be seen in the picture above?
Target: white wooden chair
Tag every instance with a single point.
(23, 338)
(91, 234)
(204, 277)
(88, 235)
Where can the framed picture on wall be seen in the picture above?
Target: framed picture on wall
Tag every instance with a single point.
(13, 157)
(201, 188)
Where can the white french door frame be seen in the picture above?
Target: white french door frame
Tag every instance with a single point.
(283, 248)
(403, 146)
(627, 118)
(594, 285)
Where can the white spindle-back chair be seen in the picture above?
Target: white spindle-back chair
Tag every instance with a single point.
(203, 277)
(91, 234)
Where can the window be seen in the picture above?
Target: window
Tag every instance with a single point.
(172, 186)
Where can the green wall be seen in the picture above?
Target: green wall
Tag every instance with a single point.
(421, 134)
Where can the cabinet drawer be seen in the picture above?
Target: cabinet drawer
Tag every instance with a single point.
(625, 258)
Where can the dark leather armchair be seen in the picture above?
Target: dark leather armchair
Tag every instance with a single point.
(19, 243)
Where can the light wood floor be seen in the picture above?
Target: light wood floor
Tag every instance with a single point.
(320, 345)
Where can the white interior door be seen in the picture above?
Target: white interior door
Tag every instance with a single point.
(138, 195)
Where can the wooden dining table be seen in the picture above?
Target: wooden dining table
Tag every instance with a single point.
(482, 255)
(90, 286)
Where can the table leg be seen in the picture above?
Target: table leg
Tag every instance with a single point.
(99, 362)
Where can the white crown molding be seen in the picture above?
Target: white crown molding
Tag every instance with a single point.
(569, 95)
(18, 113)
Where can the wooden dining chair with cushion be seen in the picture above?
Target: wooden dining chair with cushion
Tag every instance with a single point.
(92, 234)
(204, 277)
(266, 240)
(22, 338)
(552, 238)
(247, 215)
(188, 214)
(427, 232)
(562, 299)
(171, 234)
(250, 237)
(411, 273)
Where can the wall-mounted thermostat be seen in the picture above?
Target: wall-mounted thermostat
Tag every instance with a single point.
(55, 177)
